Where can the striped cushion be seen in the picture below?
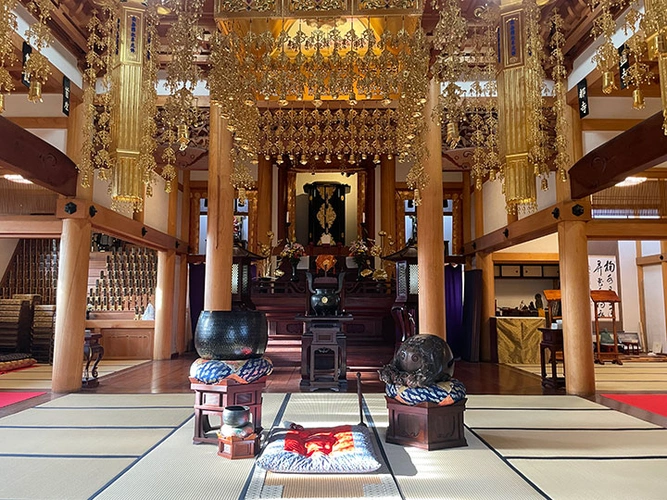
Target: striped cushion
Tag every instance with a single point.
(441, 393)
(243, 371)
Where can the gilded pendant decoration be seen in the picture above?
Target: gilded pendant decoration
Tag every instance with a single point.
(238, 6)
(387, 4)
(317, 5)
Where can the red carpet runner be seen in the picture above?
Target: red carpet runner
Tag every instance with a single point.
(9, 398)
(655, 403)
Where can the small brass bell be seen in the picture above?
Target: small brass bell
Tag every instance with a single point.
(638, 99)
(608, 83)
(35, 91)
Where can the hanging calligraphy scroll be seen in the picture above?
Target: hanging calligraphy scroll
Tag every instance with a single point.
(603, 275)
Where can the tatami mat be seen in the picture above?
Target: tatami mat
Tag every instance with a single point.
(56, 478)
(122, 401)
(179, 470)
(628, 377)
(519, 447)
(583, 443)
(94, 442)
(39, 376)
(597, 479)
(528, 402)
(97, 417)
(472, 472)
(552, 419)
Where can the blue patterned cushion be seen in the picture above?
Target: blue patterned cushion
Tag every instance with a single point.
(441, 393)
(245, 371)
(360, 459)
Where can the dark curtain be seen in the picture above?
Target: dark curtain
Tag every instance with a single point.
(454, 308)
(197, 276)
(472, 315)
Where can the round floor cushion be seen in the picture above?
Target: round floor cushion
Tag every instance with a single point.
(244, 371)
(441, 393)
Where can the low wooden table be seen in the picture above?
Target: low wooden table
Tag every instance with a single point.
(211, 399)
(552, 339)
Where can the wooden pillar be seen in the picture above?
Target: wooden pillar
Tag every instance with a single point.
(164, 304)
(576, 308)
(71, 305)
(75, 127)
(195, 212)
(264, 200)
(431, 247)
(165, 297)
(388, 201)
(182, 269)
(220, 232)
(485, 263)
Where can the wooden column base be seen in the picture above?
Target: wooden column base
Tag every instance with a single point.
(426, 425)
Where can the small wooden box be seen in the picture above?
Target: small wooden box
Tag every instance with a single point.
(235, 447)
(426, 425)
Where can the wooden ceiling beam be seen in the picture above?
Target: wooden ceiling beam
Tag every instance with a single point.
(114, 224)
(36, 160)
(531, 227)
(30, 226)
(633, 151)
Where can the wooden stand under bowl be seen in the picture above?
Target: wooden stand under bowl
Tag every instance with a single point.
(426, 425)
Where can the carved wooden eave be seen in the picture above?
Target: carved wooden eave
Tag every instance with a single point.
(635, 150)
(36, 160)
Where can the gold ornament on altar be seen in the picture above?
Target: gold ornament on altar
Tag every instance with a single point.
(295, 61)
(7, 57)
(37, 69)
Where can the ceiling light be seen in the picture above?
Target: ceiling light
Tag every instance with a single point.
(631, 181)
(17, 178)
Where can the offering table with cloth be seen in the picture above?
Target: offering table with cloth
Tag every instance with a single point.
(517, 339)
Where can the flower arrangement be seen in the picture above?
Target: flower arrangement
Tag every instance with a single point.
(364, 248)
(292, 250)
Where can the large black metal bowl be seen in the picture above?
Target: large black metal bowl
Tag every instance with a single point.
(231, 335)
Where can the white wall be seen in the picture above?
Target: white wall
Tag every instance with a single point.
(650, 248)
(655, 306)
(510, 292)
(57, 137)
(629, 285)
(7, 247)
(156, 207)
(493, 199)
(545, 244)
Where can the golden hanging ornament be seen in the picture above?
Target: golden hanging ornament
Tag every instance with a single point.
(608, 82)
(37, 69)
(7, 57)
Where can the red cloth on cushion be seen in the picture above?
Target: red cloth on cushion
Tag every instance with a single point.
(320, 440)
